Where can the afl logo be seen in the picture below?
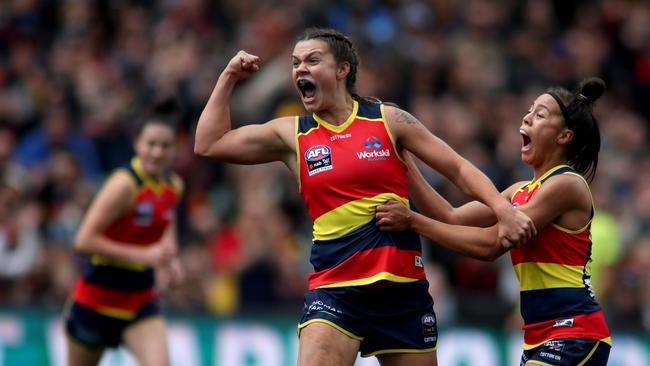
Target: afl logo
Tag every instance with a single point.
(429, 324)
(318, 159)
(317, 152)
(429, 320)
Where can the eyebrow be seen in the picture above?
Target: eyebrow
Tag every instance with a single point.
(543, 106)
(311, 53)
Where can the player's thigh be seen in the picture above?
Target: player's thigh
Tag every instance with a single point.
(147, 340)
(408, 359)
(323, 345)
(80, 355)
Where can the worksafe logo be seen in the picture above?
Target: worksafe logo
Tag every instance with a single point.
(373, 143)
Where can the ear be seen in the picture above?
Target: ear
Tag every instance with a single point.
(564, 137)
(342, 70)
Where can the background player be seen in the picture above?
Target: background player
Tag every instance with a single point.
(129, 229)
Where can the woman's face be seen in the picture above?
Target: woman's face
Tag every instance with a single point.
(544, 135)
(314, 74)
(156, 148)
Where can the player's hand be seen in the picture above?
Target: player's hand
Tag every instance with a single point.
(176, 272)
(515, 229)
(393, 216)
(243, 65)
(159, 254)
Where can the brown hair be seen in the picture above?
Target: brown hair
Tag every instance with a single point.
(577, 112)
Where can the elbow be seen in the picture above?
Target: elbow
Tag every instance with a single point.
(81, 244)
(201, 149)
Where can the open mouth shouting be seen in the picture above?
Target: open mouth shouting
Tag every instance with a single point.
(307, 90)
(525, 140)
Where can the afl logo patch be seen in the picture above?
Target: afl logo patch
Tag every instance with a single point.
(429, 324)
(318, 159)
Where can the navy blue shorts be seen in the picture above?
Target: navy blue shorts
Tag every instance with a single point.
(568, 352)
(95, 330)
(397, 318)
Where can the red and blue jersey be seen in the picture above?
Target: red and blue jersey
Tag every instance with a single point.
(119, 288)
(345, 171)
(553, 268)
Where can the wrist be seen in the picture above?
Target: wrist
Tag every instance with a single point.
(502, 208)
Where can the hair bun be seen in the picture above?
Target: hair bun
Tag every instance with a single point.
(591, 89)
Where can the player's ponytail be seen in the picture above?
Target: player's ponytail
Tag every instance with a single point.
(165, 112)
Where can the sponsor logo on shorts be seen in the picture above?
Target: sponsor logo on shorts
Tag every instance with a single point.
(318, 305)
(418, 261)
(429, 324)
(550, 356)
(563, 323)
(318, 159)
(557, 346)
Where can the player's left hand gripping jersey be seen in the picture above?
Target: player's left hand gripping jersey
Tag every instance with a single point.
(553, 268)
(345, 172)
(119, 288)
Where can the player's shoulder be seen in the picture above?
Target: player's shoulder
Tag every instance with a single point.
(570, 181)
(397, 115)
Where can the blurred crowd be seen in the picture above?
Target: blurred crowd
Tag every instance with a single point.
(76, 75)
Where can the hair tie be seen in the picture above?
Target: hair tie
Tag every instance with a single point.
(563, 109)
(581, 97)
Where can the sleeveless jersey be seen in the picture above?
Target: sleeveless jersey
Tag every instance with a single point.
(119, 288)
(553, 268)
(345, 172)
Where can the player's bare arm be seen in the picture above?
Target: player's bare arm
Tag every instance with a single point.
(250, 144)
(516, 228)
(111, 202)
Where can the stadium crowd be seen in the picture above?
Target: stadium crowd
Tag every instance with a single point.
(75, 76)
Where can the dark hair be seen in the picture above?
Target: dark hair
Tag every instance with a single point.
(577, 112)
(164, 113)
(343, 50)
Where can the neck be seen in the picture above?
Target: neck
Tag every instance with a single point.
(338, 111)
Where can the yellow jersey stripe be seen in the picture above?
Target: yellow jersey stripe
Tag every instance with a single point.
(350, 216)
(538, 276)
(99, 260)
(367, 281)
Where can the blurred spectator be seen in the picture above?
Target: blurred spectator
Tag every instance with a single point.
(36, 148)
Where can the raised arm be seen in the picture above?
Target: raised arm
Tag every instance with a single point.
(515, 226)
(251, 144)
